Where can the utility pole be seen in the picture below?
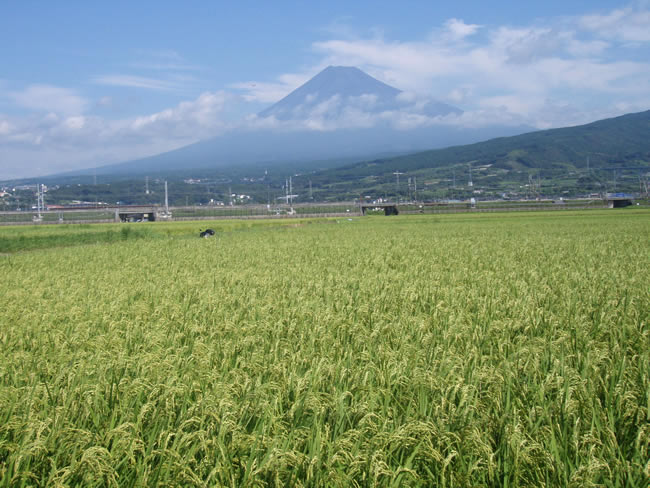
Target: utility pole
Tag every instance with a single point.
(166, 215)
(290, 191)
(230, 195)
(415, 184)
(268, 189)
(397, 173)
(166, 199)
(290, 196)
(39, 202)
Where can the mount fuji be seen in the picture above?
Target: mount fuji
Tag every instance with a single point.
(340, 113)
(337, 88)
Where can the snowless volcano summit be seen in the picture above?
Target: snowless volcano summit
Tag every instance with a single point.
(340, 88)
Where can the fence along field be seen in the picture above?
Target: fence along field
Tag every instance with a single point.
(104, 214)
(453, 350)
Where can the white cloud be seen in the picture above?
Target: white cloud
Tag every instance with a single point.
(457, 29)
(366, 100)
(188, 120)
(70, 141)
(5, 128)
(626, 24)
(517, 69)
(171, 73)
(458, 94)
(136, 82)
(105, 101)
(271, 92)
(75, 123)
(586, 49)
(163, 61)
(48, 98)
(526, 45)
(406, 111)
(255, 91)
(165, 66)
(161, 54)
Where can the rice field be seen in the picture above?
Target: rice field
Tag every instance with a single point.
(435, 350)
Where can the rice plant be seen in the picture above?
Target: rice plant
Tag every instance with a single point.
(457, 350)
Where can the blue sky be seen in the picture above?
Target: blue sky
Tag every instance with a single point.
(89, 83)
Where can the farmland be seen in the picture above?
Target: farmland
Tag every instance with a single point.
(435, 350)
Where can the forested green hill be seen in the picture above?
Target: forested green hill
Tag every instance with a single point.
(595, 156)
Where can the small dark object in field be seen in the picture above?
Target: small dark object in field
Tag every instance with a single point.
(206, 233)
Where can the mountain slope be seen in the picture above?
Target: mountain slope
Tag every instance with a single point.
(610, 148)
(268, 147)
